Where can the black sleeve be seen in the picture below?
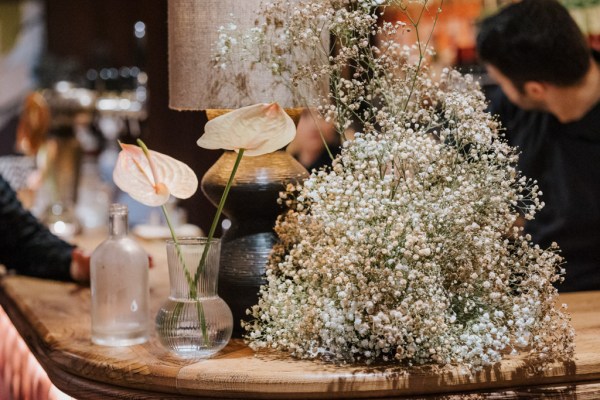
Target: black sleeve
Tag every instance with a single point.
(26, 245)
(501, 108)
(525, 130)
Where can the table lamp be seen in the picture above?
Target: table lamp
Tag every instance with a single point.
(195, 83)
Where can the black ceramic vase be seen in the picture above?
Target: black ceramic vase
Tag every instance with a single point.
(252, 208)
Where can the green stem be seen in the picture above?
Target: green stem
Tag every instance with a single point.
(166, 214)
(211, 233)
(186, 271)
(202, 319)
(191, 282)
(213, 227)
(191, 285)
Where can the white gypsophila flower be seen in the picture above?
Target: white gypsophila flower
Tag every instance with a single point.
(404, 249)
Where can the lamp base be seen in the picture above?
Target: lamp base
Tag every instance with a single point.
(252, 208)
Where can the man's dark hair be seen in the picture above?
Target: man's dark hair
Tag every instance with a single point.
(534, 40)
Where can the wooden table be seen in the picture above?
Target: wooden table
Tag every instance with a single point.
(54, 320)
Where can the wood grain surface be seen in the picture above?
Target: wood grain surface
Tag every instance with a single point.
(54, 320)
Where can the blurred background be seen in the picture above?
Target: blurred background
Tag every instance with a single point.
(101, 68)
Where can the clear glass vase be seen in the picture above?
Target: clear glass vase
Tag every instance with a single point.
(194, 322)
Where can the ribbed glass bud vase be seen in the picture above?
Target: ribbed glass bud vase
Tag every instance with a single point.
(194, 322)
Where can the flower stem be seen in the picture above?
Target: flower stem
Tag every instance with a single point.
(202, 319)
(211, 233)
(191, 285)
(188, 276)
(191, 282)
(213, 227)
(150, 162)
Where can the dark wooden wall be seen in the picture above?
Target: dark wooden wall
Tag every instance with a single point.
(101, 32)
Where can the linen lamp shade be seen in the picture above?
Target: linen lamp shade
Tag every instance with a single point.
(196, 82)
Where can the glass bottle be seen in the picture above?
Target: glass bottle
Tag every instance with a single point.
(119, 283)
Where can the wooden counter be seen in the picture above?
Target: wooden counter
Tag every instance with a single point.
(54, 320)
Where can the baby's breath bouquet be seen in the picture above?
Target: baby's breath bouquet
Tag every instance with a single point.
(404, 250)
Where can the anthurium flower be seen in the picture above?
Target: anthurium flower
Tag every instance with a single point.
(258, 129)
(151, 178)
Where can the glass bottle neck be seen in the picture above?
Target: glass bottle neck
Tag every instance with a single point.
(117, 221)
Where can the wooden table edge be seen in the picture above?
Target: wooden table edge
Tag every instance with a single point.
(85, 388)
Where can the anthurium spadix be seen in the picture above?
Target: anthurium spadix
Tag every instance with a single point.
(258, 129)
(151, 177)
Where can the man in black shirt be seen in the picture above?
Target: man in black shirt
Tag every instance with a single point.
(550, 107)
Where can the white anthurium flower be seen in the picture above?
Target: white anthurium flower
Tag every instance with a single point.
(152, 179)
(258, 129)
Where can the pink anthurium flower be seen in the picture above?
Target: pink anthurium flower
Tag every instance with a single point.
(152, 178)
(258, 129)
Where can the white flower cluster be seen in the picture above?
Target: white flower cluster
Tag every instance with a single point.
(404, 250)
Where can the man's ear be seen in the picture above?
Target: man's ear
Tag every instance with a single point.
(535, 90)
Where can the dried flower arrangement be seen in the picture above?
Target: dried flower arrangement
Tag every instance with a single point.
(404, 250)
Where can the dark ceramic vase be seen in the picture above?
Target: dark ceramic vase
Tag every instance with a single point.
(252, 208)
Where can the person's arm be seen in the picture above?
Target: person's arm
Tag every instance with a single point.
(27, 246)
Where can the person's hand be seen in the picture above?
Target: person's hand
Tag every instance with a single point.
(80, 265)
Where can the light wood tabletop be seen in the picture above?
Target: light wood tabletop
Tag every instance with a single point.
(54, 319)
